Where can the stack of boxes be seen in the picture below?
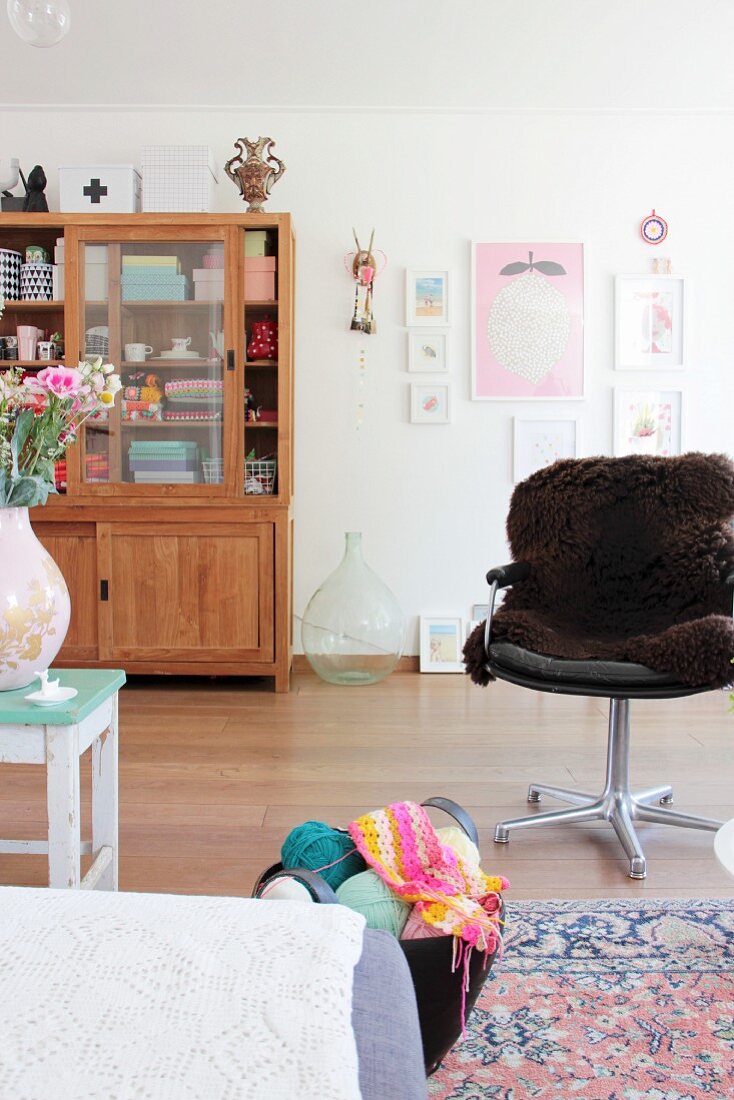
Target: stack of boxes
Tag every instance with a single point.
(169, 461)
(178, 177)
(96, 272)
(153, 279)
(259, 267)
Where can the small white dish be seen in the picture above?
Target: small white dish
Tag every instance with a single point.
(63, 695)
(180, 355)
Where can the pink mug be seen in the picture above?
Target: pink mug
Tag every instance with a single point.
(27, 341)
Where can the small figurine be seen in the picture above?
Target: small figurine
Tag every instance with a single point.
(48, 687)
(363, 268)
(35, 200)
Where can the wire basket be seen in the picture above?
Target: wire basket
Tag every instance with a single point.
(259, 474)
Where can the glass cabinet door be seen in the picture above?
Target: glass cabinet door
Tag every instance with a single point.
(156, 310)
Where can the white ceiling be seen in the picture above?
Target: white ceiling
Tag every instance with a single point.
(469, 54)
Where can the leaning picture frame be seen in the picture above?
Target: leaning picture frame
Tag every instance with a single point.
(649, 322)
(441, 644)
(427, 298)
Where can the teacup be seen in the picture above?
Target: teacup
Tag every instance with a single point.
(45, 349)
(180, 343)
(136, 353)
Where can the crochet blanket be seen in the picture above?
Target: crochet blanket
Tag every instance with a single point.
(628, 562)
(163, 997)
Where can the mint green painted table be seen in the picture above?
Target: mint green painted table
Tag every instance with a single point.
(57, 736)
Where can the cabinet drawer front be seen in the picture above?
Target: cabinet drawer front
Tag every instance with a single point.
(192, 592)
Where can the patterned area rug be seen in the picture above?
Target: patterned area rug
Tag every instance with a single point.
(603, 1000)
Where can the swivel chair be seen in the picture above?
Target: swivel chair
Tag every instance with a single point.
(622, 589)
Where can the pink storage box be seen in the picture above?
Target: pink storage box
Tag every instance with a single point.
(260, 278)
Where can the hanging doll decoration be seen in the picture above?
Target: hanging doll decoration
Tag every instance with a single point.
(362, 266)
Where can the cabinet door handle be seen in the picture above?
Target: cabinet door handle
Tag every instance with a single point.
(104, 590)
(230, 359)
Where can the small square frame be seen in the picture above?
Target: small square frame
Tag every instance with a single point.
(519, 469)
(435, 634)
(421, 343)
(420, 392)
(626, 393)
(439, 319)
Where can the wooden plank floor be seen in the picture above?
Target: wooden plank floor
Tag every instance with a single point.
(213, 774)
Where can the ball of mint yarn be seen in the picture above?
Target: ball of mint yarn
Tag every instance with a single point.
(314, 845)
(369, 895)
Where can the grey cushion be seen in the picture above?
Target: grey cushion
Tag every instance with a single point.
(597, 673)
(385, 1021)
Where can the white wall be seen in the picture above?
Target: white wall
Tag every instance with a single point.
(431, 501)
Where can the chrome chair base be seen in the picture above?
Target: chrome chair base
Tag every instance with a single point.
(617, 804)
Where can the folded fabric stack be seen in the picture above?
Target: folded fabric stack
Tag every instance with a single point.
(154, 278)
(194, 399)
(141, 410)
(97, 467)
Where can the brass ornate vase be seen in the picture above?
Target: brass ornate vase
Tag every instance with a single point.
(256, 173)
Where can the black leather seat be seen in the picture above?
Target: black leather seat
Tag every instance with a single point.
(591, 677)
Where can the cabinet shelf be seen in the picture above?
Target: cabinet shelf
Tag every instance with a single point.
(260, 424)
(31, 364)
(261, 364)
(187, 304)
(253, 304)
(167, 425)
(152, 365)
(42, 305)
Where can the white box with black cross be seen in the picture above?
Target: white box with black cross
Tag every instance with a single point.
(99, 189)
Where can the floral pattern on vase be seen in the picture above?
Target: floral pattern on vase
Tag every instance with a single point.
(34, 602)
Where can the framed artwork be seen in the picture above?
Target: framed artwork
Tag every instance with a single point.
(427, 351)
(648, 422)
(427, 298)
(649, 322)
(442, 642)
(430, 404)
(479, 611)
(540, 441)
(528, 321)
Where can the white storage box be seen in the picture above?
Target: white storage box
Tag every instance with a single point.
(179, 178)
(99, 189)
(96, 283)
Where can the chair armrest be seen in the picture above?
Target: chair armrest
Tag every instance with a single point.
(505, 575)
(502, 576)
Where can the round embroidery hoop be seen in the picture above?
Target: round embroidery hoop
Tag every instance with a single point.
(654, 229)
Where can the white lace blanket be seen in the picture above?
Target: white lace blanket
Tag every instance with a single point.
(109, 996)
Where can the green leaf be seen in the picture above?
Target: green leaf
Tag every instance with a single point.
(549, 267)
(515, 269)
(26, 492)
(23, 426)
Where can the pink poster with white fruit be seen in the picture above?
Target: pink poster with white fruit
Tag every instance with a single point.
(528, 319)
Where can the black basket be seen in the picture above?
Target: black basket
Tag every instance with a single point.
(438, 990)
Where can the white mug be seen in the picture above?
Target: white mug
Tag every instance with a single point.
(180, 343)
(136, 353)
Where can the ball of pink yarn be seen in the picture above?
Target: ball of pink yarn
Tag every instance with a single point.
(417, 929)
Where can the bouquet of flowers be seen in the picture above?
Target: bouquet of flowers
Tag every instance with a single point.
(40, 415)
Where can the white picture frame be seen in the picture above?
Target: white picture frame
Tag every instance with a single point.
(649, 322)
(428, 351)
(470, 626)
(441, 644)
(430, 403)
(479, 611)
(427, 298)
(648, 421)
(538, 441)
(565, 380)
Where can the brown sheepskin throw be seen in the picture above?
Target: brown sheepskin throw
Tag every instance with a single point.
(628, 559)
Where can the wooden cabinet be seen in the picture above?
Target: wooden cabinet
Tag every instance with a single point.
(173, 523)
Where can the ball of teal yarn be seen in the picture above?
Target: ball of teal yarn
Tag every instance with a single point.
(315, 845)
(369, 895)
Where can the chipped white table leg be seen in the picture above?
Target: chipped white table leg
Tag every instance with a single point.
(64, 810)
(104, 805)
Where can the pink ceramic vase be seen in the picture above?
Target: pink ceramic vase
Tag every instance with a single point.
(34, 602)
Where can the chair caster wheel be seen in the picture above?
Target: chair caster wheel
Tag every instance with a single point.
(638, 868)
(501, 835)
(533, 795)
(667, 800)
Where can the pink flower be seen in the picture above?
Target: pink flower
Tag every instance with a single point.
(60, 381)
